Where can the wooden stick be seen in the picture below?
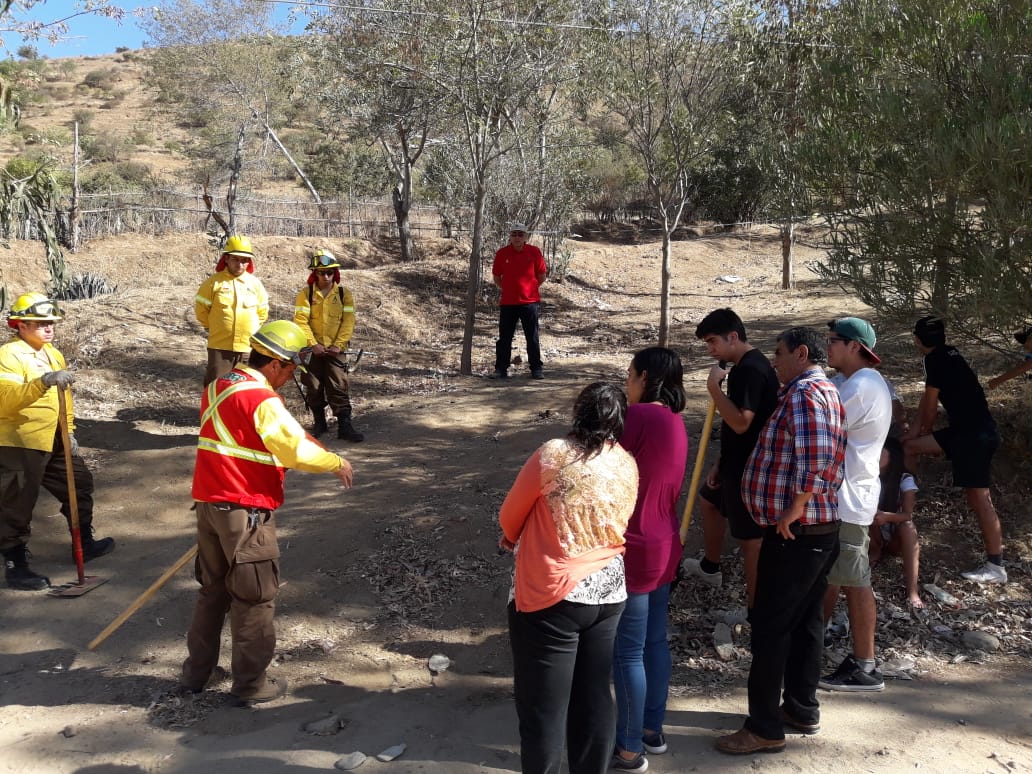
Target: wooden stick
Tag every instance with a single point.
(73, 500)
(693, 489)
(142, 599)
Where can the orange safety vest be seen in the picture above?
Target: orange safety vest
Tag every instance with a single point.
(233, 465)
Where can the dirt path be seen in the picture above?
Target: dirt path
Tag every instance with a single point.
(403, 566)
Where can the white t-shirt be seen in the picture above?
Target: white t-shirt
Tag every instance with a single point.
(868, 406)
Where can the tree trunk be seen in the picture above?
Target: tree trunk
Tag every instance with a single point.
(787, 240)
(664, 290)
(473, 288)
(401, 197)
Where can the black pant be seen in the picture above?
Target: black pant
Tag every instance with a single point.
(562, 665)
(23, 472)
(788, 629)
(508, 316)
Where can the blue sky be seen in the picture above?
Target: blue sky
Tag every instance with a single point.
(89, 35)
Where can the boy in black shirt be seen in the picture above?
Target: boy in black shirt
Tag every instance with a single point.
(752, 395)
(969, 441)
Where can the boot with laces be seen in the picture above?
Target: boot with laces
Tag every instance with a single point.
(18, 574)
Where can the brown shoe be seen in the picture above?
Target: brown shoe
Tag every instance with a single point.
(797, 725)
(745, 742)
(272, 690)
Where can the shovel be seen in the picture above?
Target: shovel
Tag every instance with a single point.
(85, 583)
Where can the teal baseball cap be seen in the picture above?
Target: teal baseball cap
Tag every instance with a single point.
(860, 331)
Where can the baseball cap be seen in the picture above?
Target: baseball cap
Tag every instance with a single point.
(860, 331)
(1022, 336)
(519, 227)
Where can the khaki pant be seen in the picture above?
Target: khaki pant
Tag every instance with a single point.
(327, 383)
(220, 363)
(238, 569)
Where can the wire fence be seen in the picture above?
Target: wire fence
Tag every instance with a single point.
(162, 211)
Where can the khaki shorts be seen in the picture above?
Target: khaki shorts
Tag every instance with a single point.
(852, 568)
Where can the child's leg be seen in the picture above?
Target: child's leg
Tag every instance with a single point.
(874, 552)
(909, 551)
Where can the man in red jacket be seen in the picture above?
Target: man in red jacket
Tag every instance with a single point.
(247, 440)
(519, 269)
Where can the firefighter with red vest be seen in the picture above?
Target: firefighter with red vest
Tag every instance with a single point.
(247, 440)
(230, 304)
(325, 311)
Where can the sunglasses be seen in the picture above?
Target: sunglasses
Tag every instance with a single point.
(326, 272)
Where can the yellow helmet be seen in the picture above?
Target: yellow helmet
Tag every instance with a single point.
(33, 307)
(282, 340)
(238, 245)
(323, 259)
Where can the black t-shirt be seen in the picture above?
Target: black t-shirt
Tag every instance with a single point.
(959, 391)
(752, 385)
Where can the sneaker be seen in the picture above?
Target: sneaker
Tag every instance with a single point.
(694, 567)
(272, 690)
(654, 743)
(638, 763)
(17, 572)
(538, 374)
(987, 573)
(499, 375)
(850, 677)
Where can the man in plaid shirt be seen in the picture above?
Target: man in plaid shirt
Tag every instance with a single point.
(789, 487)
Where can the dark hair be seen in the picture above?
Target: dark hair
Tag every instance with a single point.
(814, 340)
(890, 477)
(721, 322)
(258, 361)
(664, 377)
(931, 331)
(598, 416)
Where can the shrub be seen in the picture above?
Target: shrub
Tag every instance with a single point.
(82, 286)
(140, 136)
(84, 118)
(101, 79)
(28, 52)
(103, 147)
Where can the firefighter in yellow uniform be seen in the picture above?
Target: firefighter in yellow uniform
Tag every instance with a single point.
(31, 448)
(246, 442)
(325, 311)
(231, 304)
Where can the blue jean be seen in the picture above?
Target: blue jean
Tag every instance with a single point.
(562, 657)
(641, 667)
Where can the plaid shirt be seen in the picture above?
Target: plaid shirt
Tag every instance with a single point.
(801, 449)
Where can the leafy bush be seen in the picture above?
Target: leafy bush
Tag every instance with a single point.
(101, 80)
(84, 118)
(123, 176)
(141, 136)
(27, 52)
(102, 147)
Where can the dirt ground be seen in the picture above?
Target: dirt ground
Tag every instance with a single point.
(403, 566)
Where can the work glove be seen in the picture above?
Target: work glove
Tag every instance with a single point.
(63, 379)
(73, 444)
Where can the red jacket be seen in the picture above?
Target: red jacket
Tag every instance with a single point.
(233, 463)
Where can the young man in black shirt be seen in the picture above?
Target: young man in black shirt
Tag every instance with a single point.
(969, 441)
(752, 395)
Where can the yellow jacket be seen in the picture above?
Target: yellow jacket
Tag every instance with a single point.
(328, 320)
(28, 409)
(231, 308)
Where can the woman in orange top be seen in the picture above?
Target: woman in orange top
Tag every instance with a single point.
(565, 516)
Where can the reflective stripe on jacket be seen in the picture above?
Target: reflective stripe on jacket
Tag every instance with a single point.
(231, 308)
(328, 320)
(247, 440)
(28, 409)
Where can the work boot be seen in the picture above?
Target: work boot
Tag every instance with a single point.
(273, 689)
(345, 430)
(19, 576)
(92, 548)
(319, 428)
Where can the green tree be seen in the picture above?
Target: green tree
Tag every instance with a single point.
(665, 71)
(923, 154)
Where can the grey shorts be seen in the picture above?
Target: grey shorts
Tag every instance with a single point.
(852, 568)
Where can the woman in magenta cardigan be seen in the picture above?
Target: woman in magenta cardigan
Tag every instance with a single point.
(566, 513)
(654, 434)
